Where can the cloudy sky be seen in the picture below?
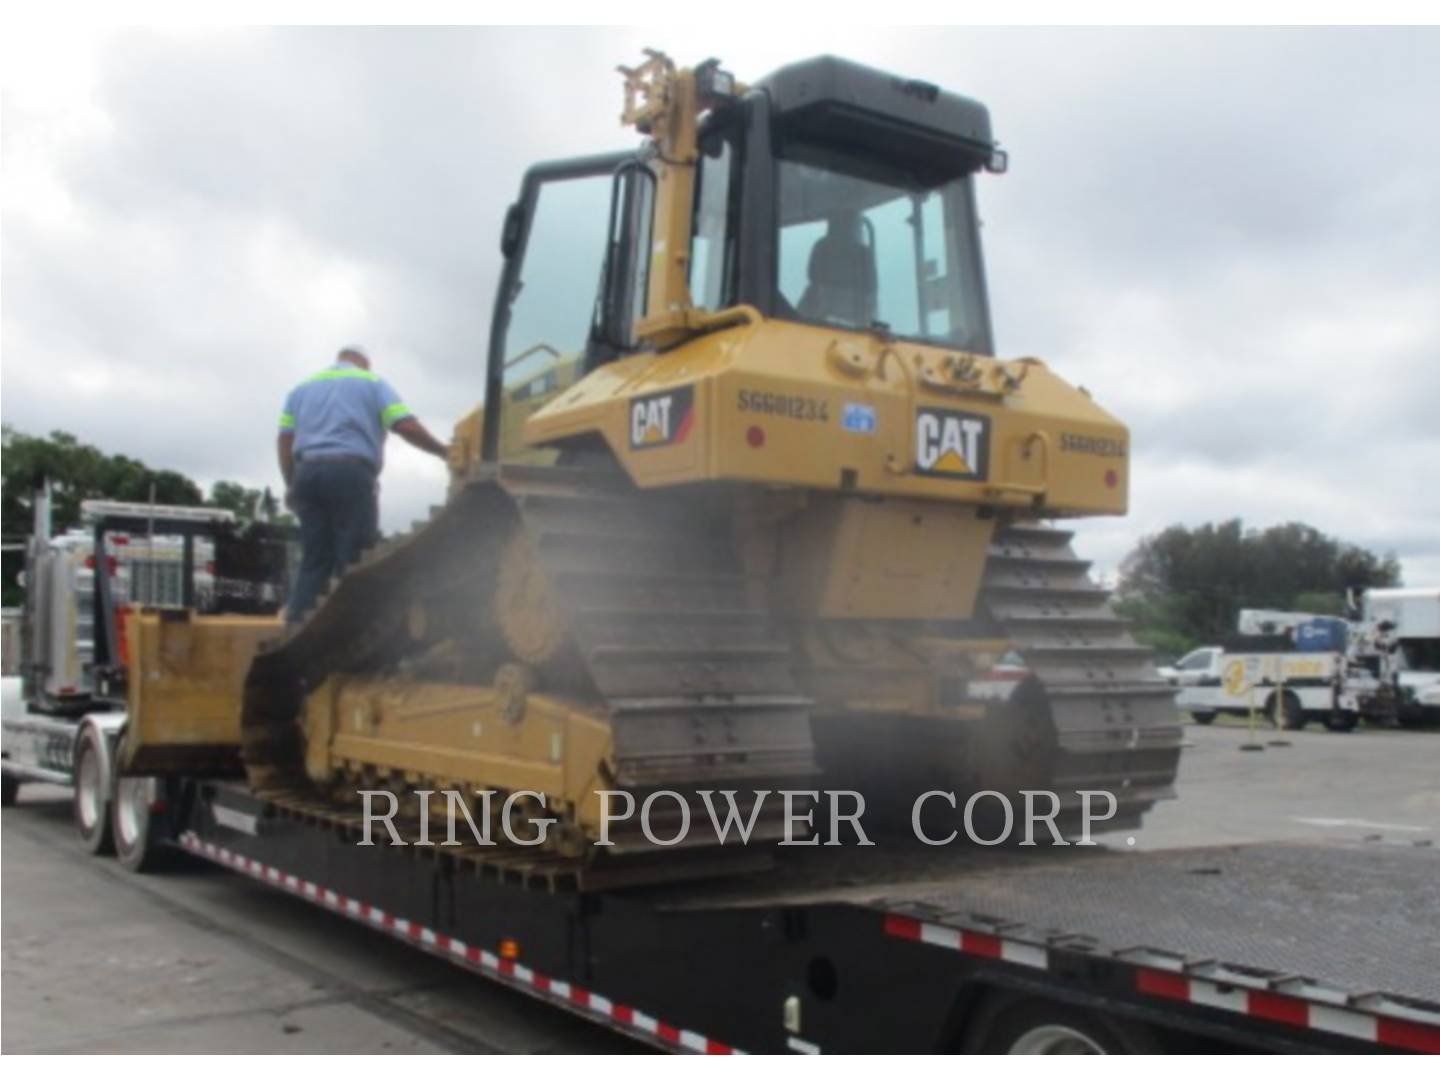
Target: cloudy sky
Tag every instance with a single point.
(1232, 238)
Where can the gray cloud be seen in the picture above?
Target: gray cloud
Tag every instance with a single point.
(1229, 237)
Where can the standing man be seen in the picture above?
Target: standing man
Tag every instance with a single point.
(331, 447)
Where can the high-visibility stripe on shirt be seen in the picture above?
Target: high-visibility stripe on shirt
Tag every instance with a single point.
(393, 414)
(343, 373)
(287, 422)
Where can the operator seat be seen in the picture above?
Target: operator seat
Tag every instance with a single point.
(842, 286)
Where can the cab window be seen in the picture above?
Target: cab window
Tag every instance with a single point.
(712, 248)
(863, 246)
(554, 303)
(1196, 661)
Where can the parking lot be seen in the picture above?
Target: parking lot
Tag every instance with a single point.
(197, 959)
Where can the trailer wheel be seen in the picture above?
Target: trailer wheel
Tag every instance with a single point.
(9, 789)
(132, 820)
(1042, 1027)
(1203, 717)
(91, 803)
(1341, 721)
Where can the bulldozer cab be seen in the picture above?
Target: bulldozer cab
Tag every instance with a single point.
(828, 194)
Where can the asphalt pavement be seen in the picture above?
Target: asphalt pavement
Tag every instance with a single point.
(200, 960)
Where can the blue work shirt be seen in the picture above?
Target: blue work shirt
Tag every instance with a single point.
(342, 411)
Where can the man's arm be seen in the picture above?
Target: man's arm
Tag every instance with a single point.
(397, 417)
(418, 435)
(285, 444)
(285, 450)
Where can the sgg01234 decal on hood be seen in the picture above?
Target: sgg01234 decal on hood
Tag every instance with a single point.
(1072, 443)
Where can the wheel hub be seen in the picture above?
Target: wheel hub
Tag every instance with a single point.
(89, 800)
(132, 809)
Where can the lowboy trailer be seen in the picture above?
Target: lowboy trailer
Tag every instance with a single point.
(1270, 947)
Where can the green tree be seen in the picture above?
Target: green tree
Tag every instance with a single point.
(245, 503)
(78, 471)
(1184, 587)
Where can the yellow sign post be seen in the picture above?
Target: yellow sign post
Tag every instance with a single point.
(1277, 710)
(1237, 681)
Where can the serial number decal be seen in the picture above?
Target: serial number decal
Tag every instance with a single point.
(662, 419)
(952, 444)
(788, 406)
(1091, 444)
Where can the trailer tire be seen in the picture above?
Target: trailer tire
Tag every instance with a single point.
(91, 802)
(1203, 717)
(9, 789)
(133, 824)
(1341, 721)
(1044, 1027)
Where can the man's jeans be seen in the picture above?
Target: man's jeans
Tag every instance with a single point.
(339, 519)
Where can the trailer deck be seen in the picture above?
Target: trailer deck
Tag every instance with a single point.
(1377, 902)
(1273, 946)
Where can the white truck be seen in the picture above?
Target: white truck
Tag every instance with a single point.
(79, 589)
(1406, 625)
(1291, 667)
(65, 648)
(1289, 687)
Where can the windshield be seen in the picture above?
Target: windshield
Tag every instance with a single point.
(864, 248)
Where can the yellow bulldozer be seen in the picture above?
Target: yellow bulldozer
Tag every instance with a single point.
(750, 503)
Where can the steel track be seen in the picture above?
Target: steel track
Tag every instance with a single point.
(1115, 726)
(695, 675)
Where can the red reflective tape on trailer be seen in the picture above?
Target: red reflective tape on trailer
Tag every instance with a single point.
(1283, 1010)
(971, 942)
(1408, 1035)
(1295, 1012)
(1162, 984)
(981, 944)
(1260, 1004)
(641, 1023)
(901, 927)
